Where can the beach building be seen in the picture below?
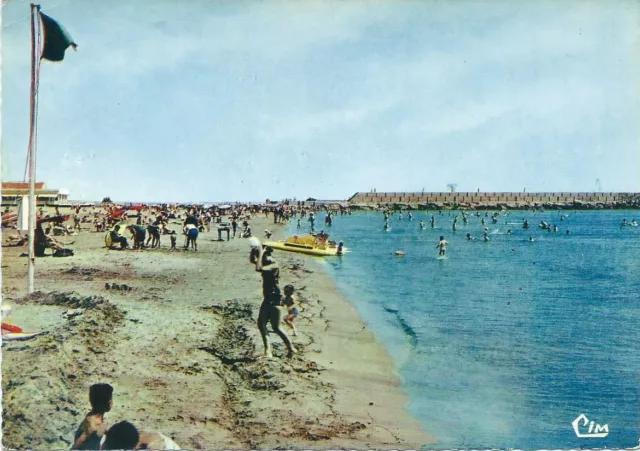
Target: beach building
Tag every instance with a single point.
(12, 192)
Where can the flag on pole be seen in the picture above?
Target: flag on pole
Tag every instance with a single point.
(56, 39)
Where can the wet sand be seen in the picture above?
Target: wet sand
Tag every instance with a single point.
(183, 353)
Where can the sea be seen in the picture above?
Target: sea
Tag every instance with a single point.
(506, 343)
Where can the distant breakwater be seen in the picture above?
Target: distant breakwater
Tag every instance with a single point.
(480, 200)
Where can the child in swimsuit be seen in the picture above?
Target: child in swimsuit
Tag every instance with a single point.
(289, 301)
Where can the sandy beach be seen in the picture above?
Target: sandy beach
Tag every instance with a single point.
(183, 353)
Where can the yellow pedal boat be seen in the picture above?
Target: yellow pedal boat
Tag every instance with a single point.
(309, 244)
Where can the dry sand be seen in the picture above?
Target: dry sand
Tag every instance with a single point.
(182, 352)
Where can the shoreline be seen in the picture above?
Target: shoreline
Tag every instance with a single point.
(180, 350)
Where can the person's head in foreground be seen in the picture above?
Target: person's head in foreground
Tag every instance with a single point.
(123, 435)
(101, 397)
(441, 238)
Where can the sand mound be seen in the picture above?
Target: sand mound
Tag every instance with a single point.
(41, 371)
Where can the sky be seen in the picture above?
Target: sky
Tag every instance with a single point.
(247, 100)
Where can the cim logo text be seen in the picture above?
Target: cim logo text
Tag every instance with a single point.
(594, 430)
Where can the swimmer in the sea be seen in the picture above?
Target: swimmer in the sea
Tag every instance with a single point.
(432, 221)
(531, 240)
(421, 225)
(469, 237)
(485, 237)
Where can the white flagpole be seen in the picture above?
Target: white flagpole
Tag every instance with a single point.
(32, 149)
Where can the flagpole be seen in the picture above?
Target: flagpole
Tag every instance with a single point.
(32, 151)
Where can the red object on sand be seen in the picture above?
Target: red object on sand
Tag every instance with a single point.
(11, 327)
(118, 213)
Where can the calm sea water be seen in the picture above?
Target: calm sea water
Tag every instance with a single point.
(505, 342)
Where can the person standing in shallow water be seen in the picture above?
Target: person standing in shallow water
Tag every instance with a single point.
(270, 311)
(442, 245)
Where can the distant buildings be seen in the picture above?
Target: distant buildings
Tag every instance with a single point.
(12, 192)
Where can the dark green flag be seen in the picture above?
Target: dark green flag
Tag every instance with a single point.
(56, 39)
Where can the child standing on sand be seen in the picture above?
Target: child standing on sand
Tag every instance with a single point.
(291, 303)
(93, 427)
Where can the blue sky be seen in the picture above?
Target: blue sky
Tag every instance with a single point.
(247, 100)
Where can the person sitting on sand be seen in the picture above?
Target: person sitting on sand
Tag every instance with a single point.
(267, 234)
(289, 301)
(125, 435)
(247, 230)
(270, 308)
(93, 426)
(117, 238)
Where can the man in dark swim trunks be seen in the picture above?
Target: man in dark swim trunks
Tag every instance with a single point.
(270, 308)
